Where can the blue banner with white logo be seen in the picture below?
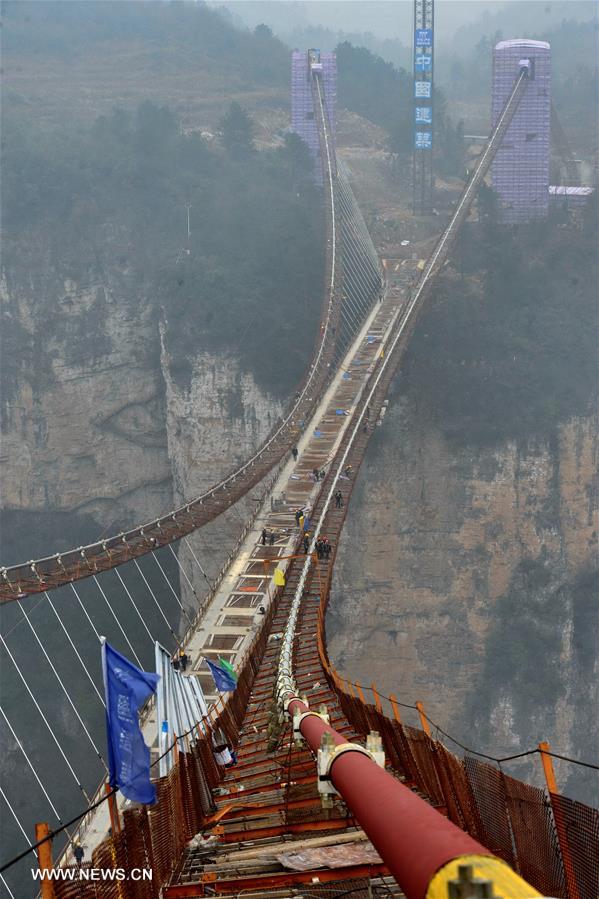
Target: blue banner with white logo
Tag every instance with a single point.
(424, 115)
(127, 688)
(222, 679)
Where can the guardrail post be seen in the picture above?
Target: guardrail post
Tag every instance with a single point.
(395, 707)
(44, 854)
(560, 824)
(377, 698)
(423, 719)
(113, 811)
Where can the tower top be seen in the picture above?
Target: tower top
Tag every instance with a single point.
(523, 42)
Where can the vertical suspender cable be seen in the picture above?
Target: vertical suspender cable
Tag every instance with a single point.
(99, 586)
(133, 603)
(197, 561)
(30, 763)
(183, 572)
(83, 665)
(23, 831)
(64, 689)
(171, 588)
(158, 606)
(45, 720)
(15, 816)
(8, 889)
(93, 626)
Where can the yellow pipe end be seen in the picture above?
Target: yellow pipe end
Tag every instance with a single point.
(506, 883)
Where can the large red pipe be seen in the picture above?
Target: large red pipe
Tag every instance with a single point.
(413, 839)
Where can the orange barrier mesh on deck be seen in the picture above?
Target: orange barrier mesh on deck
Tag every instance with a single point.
(581, 824)
(513, 819)
(535, 840)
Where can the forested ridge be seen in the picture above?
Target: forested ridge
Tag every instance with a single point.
(252, 279)
(507, 349)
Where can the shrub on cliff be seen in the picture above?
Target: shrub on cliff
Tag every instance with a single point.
(507, 348)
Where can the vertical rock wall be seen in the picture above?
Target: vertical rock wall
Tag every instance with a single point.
(464, 578)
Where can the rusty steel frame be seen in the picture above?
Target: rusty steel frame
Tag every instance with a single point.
(274, 881)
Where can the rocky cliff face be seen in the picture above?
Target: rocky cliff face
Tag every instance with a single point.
(97, 434)
(465, 580)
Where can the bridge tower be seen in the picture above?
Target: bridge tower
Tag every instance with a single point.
(422, 122)
(520, 172)
(306, 65)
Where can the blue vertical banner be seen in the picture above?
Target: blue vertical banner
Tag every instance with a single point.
(423, 89)
(424, 115)
(423, 37)
(423, 140)
(423, 62)
(127, 688)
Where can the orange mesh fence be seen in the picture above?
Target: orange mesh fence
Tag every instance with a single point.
(515, 820)
(459, 799)
(423, 753)
(581, 828)
(535, 840)
(488, 789)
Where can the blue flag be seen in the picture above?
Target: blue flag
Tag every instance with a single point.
(223, 680)
(127, 688)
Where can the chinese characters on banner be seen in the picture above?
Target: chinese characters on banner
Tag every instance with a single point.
(423, 140)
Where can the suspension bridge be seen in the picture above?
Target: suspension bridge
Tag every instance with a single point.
(333, 793)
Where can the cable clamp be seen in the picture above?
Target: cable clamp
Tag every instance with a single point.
(298, 717)
(329, 753)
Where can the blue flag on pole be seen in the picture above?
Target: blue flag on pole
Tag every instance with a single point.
(127, 688)
(223, 680)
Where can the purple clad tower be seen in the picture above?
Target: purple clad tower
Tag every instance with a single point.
(306, 65)
(520, 172)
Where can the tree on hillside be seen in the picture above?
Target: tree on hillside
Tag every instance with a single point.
(262, 31)
(155, 126)
(378, 91)
(237, 131)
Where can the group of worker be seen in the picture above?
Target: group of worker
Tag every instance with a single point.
(323, 548)
(268, 536)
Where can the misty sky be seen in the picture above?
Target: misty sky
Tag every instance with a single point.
(393, 18)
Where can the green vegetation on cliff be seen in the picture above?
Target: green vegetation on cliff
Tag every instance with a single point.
(507, 347)
(114, 196)
(382, 94)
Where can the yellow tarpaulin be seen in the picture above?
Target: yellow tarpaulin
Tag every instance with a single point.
(279, 578)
